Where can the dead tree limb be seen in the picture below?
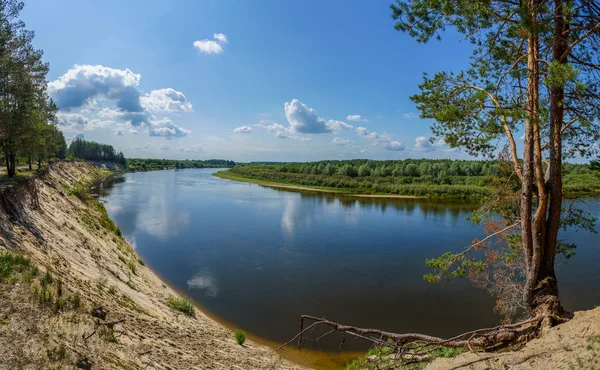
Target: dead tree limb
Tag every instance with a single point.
(415, 347)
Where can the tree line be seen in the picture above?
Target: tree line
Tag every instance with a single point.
(419, 177)
(149, 164)
(93, 151)
(28, 131)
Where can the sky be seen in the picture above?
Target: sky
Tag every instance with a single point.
(244, 80)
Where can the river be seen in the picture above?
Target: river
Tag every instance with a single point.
(258, 258)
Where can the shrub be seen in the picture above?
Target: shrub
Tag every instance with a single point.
(182, 304)
(240, 337)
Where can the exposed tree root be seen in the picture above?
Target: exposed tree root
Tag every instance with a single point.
(414, 347)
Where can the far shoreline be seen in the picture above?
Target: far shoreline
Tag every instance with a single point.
(337, 191)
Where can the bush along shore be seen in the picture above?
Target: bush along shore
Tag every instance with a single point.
(466, 179)
(75, 294)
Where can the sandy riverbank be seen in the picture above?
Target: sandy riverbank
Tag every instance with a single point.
(88, 261)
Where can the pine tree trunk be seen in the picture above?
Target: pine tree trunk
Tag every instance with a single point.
(11, 165)
(542, 286)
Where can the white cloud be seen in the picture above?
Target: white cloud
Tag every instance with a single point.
(339, 141)
(242, 130)
(82, 84)
(167, 129)
(107, 97)
(383, 140)
(337, 126)
(133, 131)
(283, 132)
(166, 100)
(207, 46)
(220, 37)
(164, 147)
(303, 119)
(373, 136)
(72, 120)
(355, 118)
(394, 146)
(423, 144)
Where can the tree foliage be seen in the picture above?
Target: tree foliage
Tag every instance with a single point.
(93, 151)
(535, 70)
(27, 115)
(418, 177)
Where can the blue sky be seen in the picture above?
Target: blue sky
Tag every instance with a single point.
(176, 79)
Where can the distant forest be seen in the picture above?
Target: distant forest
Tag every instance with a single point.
(93, 151)
(139, 164)
(419, 177)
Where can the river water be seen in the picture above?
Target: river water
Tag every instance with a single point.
(258, 258)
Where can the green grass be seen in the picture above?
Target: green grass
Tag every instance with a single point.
(182, 304)
(378, 357)
(12, 263)
(240, 337)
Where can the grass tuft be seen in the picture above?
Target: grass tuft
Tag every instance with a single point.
(240, 337)
(182, 304)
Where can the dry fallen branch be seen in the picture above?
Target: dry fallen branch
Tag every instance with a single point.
(414, 347)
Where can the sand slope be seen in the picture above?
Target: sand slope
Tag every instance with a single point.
(62, 234)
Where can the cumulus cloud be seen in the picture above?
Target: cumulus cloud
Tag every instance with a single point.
(373, 136)
(215, 46)
(118, 132)
(283, 132)
(355, 118)
(166, 100)
(339, 141)
(107, 96)
(167, 129)
(423, 144)
(84, 83)
(220, 38)
(164, 147)
(337, 126)
(383, 140)
(242, 130)
(303, 119)
(72, 120)
(394, 146)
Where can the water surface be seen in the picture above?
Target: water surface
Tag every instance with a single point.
(259, 257)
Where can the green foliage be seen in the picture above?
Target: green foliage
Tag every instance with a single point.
(381, 357)
(149, 164)
(452, 265)
(27, 115)
(240, 337)
(182, 304)
(93, 151)
(412, 177)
